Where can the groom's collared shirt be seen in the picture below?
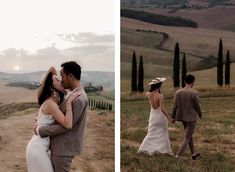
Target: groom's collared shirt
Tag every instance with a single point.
(69, 93)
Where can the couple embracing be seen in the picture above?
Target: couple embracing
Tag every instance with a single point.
(186, 108)
(59, 130)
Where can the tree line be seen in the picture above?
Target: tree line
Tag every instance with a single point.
(158, 19)
(94, 104)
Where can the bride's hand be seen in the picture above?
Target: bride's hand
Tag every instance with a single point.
(73, 96)
(167, 117)
(52, 70)
(70, 99)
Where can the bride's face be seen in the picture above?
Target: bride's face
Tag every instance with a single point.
(57, 83)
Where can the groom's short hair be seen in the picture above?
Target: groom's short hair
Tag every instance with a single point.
(73, 68)
(189, 79)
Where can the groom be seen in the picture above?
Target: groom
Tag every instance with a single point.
(66, 143)
(185, 109)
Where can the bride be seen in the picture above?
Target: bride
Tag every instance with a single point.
(50, 95)
(157, 139)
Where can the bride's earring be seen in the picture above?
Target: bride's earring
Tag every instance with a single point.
(54, 94)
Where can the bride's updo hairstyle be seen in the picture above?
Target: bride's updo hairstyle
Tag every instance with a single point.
(154, 87)
(155, 84)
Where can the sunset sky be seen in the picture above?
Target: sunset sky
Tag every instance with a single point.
(36, 34)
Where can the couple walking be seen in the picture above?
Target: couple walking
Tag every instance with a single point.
(60, 121)
(186, 108)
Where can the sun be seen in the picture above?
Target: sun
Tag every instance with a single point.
(16, 68)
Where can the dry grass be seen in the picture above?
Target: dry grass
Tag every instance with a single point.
(214, 137)
(16, 94)
(16, 123)
(205, 79)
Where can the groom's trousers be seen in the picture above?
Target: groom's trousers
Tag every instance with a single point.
(188, 139)
(62, 163)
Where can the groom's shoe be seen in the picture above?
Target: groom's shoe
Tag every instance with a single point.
(194, 156)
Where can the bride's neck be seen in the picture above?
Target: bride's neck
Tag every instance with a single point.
(55, 99)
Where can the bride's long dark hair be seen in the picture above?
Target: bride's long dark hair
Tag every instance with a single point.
(48, 90)
(156, 87)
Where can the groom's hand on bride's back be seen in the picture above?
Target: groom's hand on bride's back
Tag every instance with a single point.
(35, 119)
(35, 125)
(35, 129)
(172, 120)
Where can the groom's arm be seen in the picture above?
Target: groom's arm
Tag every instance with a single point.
(198, 106)
(50, 130)
(175, 106)
(78, 107)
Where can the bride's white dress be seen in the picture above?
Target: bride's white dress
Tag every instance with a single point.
(157, 139)
(37, 155)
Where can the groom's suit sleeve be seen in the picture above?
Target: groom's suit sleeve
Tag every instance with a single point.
(197, 105)
(55, 129)
(175, 106)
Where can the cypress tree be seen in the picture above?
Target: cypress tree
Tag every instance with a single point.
(176, 66)
(96, 104)
(92, 104)
(220, 64)
(184, 71)
(141, 76)
(134, 74)
(227, 69)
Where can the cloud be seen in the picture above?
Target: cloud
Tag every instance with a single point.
(88, 38)
(93, 52)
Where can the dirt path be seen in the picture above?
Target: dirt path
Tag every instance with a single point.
(16, 131)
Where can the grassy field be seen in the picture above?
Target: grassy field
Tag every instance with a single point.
(214, 135)
(146, 44)
(205, 79)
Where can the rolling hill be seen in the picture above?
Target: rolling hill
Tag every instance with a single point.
(106, 79)
(200, 46)
(218, 17)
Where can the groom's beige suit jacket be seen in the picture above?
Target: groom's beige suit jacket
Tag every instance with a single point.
(68, 142)
(186, 105)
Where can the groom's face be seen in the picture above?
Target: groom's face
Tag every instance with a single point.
(57, 83)
(65, 79)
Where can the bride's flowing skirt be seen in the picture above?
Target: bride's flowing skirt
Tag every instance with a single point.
(37, 156)
(157, 138)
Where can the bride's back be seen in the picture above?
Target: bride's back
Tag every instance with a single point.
(154, 99)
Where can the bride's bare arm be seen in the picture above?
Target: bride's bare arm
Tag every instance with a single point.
(162, 107)
(67, 119)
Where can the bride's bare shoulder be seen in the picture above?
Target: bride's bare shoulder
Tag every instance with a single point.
(147, 93)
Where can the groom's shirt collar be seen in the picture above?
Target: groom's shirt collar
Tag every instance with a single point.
(71, 92)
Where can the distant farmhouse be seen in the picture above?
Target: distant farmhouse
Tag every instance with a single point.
(197, 4)
(90, 88)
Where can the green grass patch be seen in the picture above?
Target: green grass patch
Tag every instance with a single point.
(209, 162)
